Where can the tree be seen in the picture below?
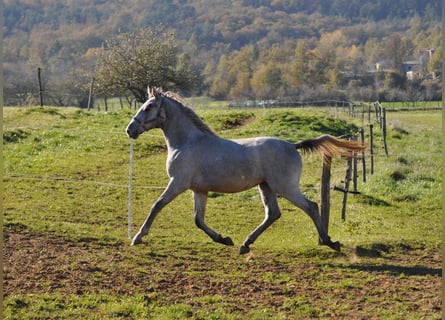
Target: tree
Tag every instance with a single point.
(398, 50)
(132, 61)
(242, 88)
(299, 70)
(267, 81)
(222, 79)
(354, 61)
(373, 50)
(335, 78)
(242, 68)
(394, 80)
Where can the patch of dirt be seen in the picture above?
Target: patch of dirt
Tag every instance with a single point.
(347, 285)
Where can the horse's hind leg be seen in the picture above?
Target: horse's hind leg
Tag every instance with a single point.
(200, 200)
(311, 208)
(272, 213)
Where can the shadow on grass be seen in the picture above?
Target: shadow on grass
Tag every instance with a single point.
(374, 251)
(378, 250)
(397, 270)
(372, 201)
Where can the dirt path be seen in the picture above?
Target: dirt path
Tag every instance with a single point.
(352, 285)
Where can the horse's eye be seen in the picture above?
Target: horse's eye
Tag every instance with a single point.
(148, 106)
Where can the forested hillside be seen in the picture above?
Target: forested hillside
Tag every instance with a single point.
(243, 49)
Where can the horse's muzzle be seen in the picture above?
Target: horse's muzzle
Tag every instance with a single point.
(132, 130)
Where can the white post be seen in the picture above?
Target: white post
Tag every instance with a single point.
(130, 186)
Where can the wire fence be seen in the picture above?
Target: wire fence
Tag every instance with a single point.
(373, 111)
(374, 114)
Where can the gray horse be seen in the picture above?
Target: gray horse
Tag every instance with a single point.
(201, 161)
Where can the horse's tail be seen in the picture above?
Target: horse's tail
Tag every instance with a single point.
(329, 146)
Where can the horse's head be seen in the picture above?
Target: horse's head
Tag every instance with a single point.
(150, 115)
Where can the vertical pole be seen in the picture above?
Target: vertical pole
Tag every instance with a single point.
(384, 130)
(325, 194)
(369, 112)
(130, 188)
(380, 116)
(371, 148)
(363, 113)
(106, 104)
(345, 194)
(39, 77)
(90, 94)
(377, 112)
(354, 168)
(362, 138)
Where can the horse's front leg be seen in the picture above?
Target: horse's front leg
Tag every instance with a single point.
(200, 201)
(171, 192)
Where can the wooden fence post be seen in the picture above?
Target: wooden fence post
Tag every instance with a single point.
(369, 112)
(39, 78)
(362, 138)
(354, 168)
(345, 193)
(325, 194)
(363, 112)
(106, 103)
(377, 113)
(384, 130)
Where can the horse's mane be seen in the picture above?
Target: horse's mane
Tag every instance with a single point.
(196, 120)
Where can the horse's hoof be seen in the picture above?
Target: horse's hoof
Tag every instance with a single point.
(244, 250)
(136, 240)
(228, 241)
(335, 245)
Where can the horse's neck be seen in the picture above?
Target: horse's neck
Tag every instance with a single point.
(178, 128)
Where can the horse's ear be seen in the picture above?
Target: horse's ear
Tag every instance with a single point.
(150, 92)
(157, 91)
(154, 92)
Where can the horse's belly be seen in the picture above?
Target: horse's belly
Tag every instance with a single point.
(235, 185)
(225, 183)
(225, 188)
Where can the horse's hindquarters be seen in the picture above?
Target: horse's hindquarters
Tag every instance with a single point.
(232, 166)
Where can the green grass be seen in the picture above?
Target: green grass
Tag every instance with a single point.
(90, 148)
(409, 105)
(66, 177)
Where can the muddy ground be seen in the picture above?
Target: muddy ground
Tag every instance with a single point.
(351, 285)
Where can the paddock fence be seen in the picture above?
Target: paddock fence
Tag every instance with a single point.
(373, 116)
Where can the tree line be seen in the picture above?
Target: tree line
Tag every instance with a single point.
(234, 49)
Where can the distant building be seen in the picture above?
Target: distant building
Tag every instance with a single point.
(413, 66)
(427, 53)
(384, 65)
(414, 69)
(380, 66)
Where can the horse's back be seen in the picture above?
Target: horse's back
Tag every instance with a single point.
(271, 148)
(222, 165)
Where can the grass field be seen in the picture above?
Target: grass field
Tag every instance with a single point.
(67, 253)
